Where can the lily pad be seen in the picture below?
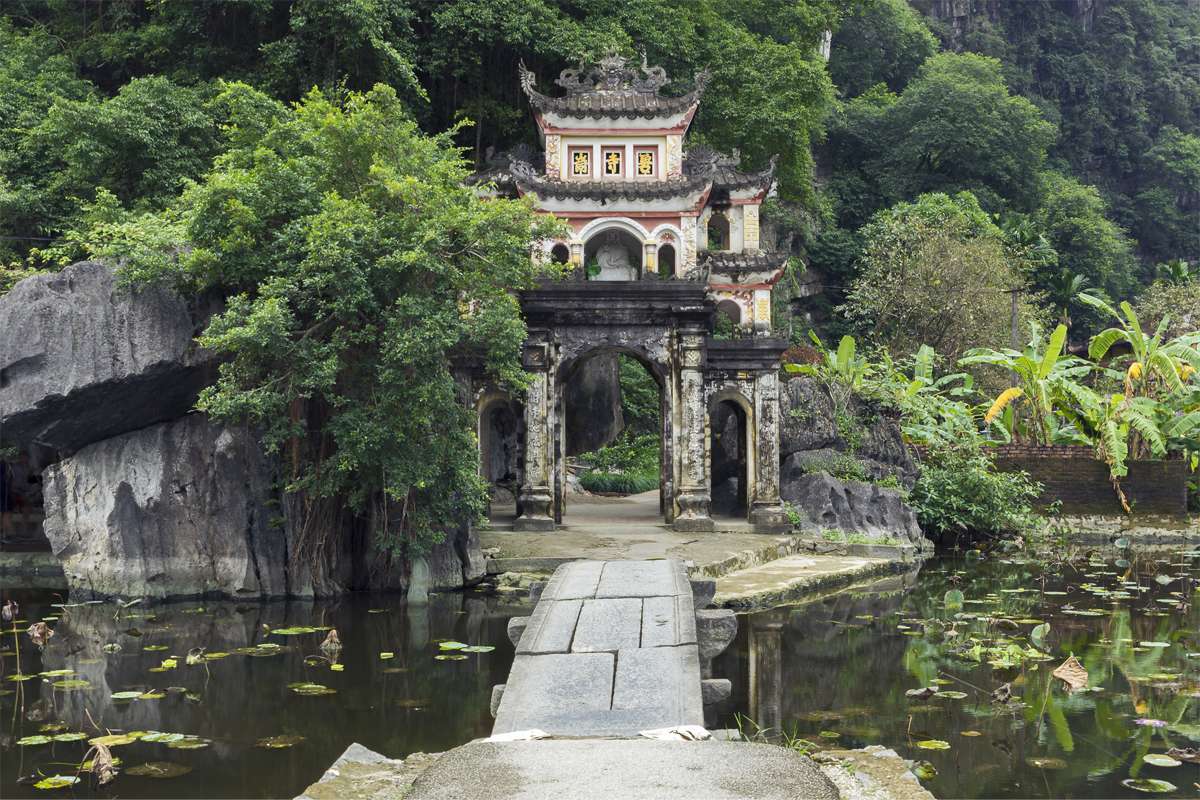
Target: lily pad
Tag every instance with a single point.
(452, 645)
(1149, 785)
(933, 744)
(154, 648)
(159, 736)
(279, 742)
(56, 673)
(152, 695)
(1154, 644)
(297, 630)
(159, 769)
(385, 655)
(1046, 762)
(450, 657)
(29, 741)
(1160, 760)
(132, 695)
(950, 695)
(17, 676)
(56, 782)
(113, 740)
(71, 736)
(972, 733)
(71, 684)
(190, 743)
(311, 689)
(478, 648)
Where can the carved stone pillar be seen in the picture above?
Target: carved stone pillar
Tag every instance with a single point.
(766, 511)
(536, 499)
(766, 673)
(694, 499)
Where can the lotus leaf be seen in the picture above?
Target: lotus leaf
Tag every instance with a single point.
(56, 782)
(72, 736)
(933, 744)
(279, 742)
(27, 741)
(1149, 785)
(1160, 760)
(159, 769)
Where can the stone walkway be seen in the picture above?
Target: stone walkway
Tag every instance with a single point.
(610, 650)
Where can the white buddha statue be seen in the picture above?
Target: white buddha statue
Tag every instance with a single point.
(615, 263)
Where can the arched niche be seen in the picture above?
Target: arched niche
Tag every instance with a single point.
(613, 254)
(560, 253)
(731, 310)
(718, 231)
(666, 260)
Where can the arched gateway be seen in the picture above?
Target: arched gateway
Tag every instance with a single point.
(613, 166)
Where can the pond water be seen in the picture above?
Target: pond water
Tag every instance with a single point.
(225, 704)
(835, 673)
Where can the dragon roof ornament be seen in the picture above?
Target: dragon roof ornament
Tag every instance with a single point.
(612, 88)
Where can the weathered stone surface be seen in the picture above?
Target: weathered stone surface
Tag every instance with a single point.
(574, 581)
(641, 769)
(497, 696)
(660, 684)
(551, 627)
(82, 360)
(607, 625)
(668, 621)
(175, 509)
(593, 404)
(703, 590)
(810, 422)
(638, 579)
(715, 629)
(715, 690)
(561, 693)
(366, 775)
(452, 563)
(516, 627)
(827, 503)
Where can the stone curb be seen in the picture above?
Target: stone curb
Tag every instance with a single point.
(802, 588)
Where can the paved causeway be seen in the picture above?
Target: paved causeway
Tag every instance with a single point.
(610, 650)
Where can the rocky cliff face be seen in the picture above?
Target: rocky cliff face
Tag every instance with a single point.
(178, 508)
(82, 359)
(143, 498)
(593, 400)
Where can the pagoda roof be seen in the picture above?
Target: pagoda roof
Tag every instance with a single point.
(724, 170)
(612, 89)
(529, 179)
(742, 268)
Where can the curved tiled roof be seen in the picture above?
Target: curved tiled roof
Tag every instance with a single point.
(612, 89)
(530, 180)
(739, 266)
(724, 170)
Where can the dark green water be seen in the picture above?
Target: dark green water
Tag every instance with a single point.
(839, 666)
(410, 702)
(842, 665)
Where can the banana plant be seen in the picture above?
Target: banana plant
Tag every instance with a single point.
(1155, 367)
(1039, 369)
(843, 365)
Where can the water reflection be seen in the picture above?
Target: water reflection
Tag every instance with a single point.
(406, 703)
(835, 672)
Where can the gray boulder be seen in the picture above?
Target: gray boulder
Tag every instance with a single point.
(454, 562)
(82, 360)
(176, 509)
(813, 422)
(826, 503)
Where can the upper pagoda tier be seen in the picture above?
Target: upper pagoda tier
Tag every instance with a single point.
(612, 90)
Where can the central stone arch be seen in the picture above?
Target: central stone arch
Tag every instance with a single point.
(665, 327)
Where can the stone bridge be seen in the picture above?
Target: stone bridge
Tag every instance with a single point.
(614, 648)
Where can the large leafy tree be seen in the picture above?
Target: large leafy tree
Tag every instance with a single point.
(956, 126)
(358, 266)
(936, 272)
(880, 41)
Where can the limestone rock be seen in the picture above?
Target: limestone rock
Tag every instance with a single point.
(810, 423)
(593, 404)
(827, 503)
(175, 509)
(452, 563)
(82, 360)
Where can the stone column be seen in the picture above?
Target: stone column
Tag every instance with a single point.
(693, 486)
(536, 500)
(766, 510)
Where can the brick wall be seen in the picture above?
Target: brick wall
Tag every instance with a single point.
(1082, 484)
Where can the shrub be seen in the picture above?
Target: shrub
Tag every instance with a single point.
(619, 482)
(960, 493)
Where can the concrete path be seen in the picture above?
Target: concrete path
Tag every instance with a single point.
(792, 577)
(610, 650)
(622, 769)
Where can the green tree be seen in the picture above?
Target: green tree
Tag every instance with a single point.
(1073, 219)
(935, 272)
(879, 41)
(358, 265)
(956, 126)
